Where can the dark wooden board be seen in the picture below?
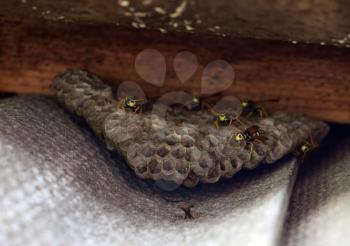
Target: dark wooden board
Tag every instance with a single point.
(306, 78)
(322, 21)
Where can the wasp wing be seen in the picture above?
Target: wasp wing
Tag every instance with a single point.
(230, 105)
(131, 88)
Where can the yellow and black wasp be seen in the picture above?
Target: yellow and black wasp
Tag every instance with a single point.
(225, 119)
(249, 136)
(230, 115)
(251, 108)
(199, 102)
(194, 104)
(131, 104)
(304, 149)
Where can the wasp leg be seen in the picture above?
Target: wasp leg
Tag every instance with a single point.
(249, 115)
(229, 139)
(261, 140)
(231, 120)
(313, 142)
(250, 151)
(237, 147)
(206, 105)
(216, 124)
(210, 109)
(241, 122)
(302, 159)
(137, 109)
(262, 112)
(120, 104)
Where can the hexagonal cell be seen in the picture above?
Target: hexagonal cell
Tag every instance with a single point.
(193, 154)
(213, 140)
(191, 181)
(182, 167)
(204, 144)
(154, 166)
(187, 141)
(173, 139)
(168, 165)
(206, 162)
(182, 131)
(137, 160)
(140, 167)
(163, 150)
(148, 149)
(178, 152)
(236, 164)
(213, 175)
(141, 171)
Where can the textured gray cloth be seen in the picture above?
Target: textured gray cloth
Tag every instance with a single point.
(60, 186)
(319, 212)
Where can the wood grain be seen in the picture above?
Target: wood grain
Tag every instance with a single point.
(307, 21)
(311, 79)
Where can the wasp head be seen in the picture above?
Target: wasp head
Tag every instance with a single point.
(195, 100)
(239, 137)
(222, 117)
(244, 103)
(305, 148)
(131, 103)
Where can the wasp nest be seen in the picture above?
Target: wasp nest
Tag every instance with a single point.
(181, 146)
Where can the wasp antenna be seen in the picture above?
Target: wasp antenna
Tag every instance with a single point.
(313, 142)
(250, 151)
(207, 105)
(214, 112)
(243, 124)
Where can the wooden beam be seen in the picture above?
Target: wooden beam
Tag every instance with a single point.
(311, 79)
(308, 21)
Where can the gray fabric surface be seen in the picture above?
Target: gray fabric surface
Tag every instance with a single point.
(319, 212)
(59, 186)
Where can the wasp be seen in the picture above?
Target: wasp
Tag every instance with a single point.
(194, 104)
(249, 136)
(132, 104)
(199, 102)
(304, 149)
(251, 108)
(224, 119)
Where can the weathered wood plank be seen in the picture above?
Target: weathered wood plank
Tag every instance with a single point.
(306, 78)
(322, 21)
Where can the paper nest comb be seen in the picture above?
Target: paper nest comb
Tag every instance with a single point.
(161, 148)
